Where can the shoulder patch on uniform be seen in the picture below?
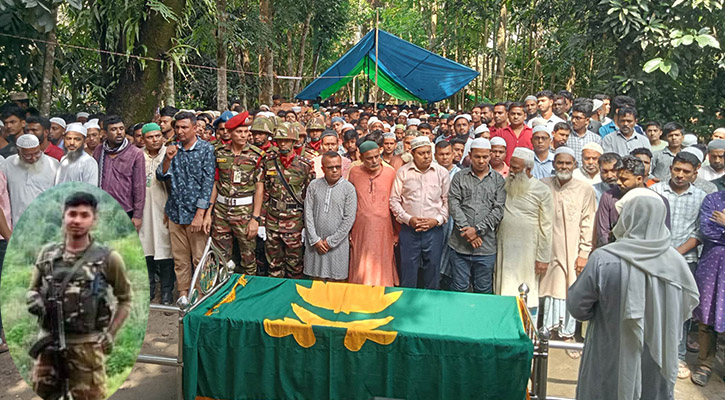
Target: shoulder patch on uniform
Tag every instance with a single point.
(221, 160)
(257, 150)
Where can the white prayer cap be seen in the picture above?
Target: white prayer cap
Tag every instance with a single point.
(537, 121)
(412, 121)
(1, 124)
(264, 107)
(78, 127)
(597, 104)
(696, 152)
(498, 141)
(716, 144)
(593, 146)
(524, 154)
(265, 114)
(403, 114)
(346, 127)
(541, 128)
(466, 116)
(633, 194)
(296, 109)
(480, 143)
(373, 120)
(481, 128)
(59, 121)
(425, 116)
(530, 97)
(564, 150)
(386, 127)
(27, 141)
(388, 135)
(689, 140)
(92, 124)
(420, 141)
(421, 109)
(83, 115)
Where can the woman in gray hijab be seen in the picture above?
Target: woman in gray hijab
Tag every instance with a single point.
(636, 292)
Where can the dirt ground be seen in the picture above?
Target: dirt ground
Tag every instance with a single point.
(156, 382)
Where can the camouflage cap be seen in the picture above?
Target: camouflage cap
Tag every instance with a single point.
(262, 125)
(283, 131)
(315, 124)
(297, 129)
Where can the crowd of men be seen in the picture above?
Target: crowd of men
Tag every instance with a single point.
(480, 200)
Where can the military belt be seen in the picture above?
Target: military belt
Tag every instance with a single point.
(282, 206)
(235, 201)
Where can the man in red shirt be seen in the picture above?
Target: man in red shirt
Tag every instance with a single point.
(517, 133)
(40, 127)
(500, 118)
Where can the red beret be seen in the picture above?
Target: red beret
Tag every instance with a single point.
(241, 119)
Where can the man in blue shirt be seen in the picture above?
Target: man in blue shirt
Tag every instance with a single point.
(189, 166)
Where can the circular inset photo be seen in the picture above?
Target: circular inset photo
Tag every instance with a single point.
(75, 293)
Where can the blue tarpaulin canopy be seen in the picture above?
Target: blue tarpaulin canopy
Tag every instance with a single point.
(405, 71)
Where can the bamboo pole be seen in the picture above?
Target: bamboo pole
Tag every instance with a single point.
(377, 20)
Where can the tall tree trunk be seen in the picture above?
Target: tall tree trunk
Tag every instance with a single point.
(316, 59)
(169, 97)
(290, 63)
(239, 66)
(433, 24)
(498, 87)
(301, 61)
(572, 78)
(246, 66)
(138, 92)
(221, 55)
(267, 59)
(46, 92)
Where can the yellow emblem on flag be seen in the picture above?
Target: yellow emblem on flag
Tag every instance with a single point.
(338, 297)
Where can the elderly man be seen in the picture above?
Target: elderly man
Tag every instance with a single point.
(76, 165)
(330, 208)
(636, 292)
(29, 173)
(716, 156)
(476, 200)
(589, 170)
(498, 156)
(372, 238)
(524, 235)
(419, 201)
(121, 170)
(154, 233)
(574, 207)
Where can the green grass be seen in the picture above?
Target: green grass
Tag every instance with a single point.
(21, 327)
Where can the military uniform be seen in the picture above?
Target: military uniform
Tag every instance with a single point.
(285, 217)
(87, 310)
(238, 176)
(263, 125)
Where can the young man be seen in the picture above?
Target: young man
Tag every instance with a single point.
(516, 133)
(40, 127)
(581, 136)
(545, 102)
(662, 160)
(653, 130)
(498, 155)
(500, 118)
(388, 155)
(57, 129)
(89, 335)
(121, 169)
(476, 205)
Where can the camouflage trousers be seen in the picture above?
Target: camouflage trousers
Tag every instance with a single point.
(229, 223)
(284, 251)
(86, 373)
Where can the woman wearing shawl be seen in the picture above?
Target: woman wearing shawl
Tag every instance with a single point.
(636, 292)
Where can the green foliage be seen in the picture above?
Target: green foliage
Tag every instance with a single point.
(40, 225)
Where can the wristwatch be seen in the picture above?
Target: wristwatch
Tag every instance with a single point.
(479, 233)
(257, 218)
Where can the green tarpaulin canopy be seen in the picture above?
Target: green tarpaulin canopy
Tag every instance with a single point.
(267, 338)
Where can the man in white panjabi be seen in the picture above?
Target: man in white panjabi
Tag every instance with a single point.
(573, 222)
(525, 232)
(636, 292)
(76, 165)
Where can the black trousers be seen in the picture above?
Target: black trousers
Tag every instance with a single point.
(164, 269)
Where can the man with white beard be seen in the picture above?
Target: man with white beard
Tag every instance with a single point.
(29, 173)
(525, 233)
(77, 165)
(574, 207)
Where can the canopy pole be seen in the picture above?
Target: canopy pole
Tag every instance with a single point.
(377, 20)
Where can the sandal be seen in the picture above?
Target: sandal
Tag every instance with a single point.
(3, 347)
(701, 376)
(683, 371)
(573, 354)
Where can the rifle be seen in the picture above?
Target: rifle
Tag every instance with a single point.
(60, 355)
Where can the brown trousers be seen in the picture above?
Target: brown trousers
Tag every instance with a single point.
(187, 249)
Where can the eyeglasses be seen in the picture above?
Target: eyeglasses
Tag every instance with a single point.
(333, 167)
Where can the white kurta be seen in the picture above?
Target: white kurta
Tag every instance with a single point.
(524, 237)
(27, 181)
(84, 169)
(154, 234)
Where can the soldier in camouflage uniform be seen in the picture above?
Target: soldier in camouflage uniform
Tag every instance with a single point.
(314, 133)
(286, 177)
(222, 136)
(82, 274)
(302, 148)
(262, 131)
(238, 194)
